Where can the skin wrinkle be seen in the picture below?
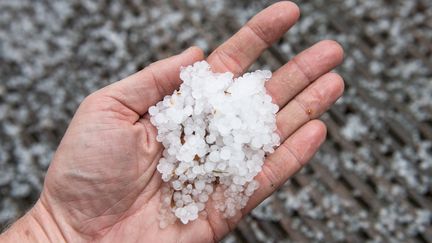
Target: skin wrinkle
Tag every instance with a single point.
(258, 32)
(137, 149)
(280, 19)
(43, 228)
(136, 115)
(76, 211)
(156, 82)
(269, 174)
(91, 177)
(228, 227)
(55, 220)
(171, 84)
(102, 103)
(98, 178)
(154, 176)
(214, 221)
(277, 99)
(147, 135)
(107, 210)
(227, 59)
(305, 107)
(127, 214)
(77, 229)
(303, 70)
(285, 131)
(299, 160)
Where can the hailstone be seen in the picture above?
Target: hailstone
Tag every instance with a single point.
(216, 131)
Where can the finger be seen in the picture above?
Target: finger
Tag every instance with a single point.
(242, 49)
(303, 69)
(310, 104)
(290, 157)
(152, 146)
(143, 89)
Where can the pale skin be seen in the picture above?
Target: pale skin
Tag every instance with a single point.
(102, 185)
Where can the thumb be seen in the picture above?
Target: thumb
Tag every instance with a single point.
(143, 89)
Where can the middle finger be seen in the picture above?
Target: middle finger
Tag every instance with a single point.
(241, 50)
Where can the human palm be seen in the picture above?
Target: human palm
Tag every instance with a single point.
(103, 184)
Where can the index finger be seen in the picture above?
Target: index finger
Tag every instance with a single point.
(243, 48)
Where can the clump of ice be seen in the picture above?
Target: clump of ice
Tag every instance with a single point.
(216, 130)
(354, 128)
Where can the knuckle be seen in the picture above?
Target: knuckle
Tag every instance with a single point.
(304, 106)
(293, 154)
(271, 175)
(260, 32)
(303, 68)
(229, 60)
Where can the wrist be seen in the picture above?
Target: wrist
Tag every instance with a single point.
(37, 225)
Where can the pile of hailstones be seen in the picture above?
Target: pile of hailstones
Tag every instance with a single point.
(216, 130)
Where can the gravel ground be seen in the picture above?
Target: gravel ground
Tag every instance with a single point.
(370, 182)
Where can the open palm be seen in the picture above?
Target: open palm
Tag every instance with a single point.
(103, 184)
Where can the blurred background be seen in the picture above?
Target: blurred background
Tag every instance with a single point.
(371, 180)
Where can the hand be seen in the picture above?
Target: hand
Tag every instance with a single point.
(102, 184)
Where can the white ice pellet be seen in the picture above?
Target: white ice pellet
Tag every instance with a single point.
(153, 110)
(225, 153)
(216, 130)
